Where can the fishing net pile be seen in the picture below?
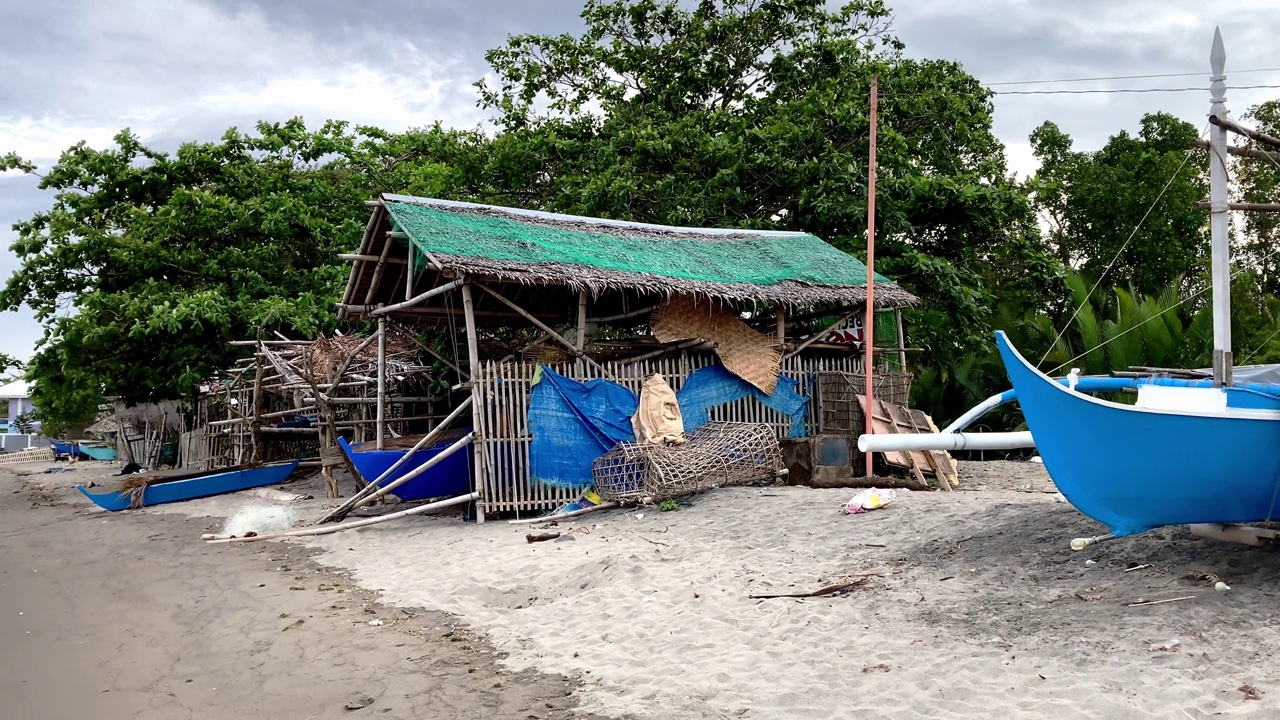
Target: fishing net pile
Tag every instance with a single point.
(714, 455)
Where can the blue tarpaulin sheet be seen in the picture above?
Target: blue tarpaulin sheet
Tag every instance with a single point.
(573, 423)
(713, 386)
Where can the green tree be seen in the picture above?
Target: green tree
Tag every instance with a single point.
(162, 258)
(1258, 181)
(754, 113)
(1092, 203)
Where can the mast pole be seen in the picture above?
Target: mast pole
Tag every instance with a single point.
(868, 324)
(1218, 209)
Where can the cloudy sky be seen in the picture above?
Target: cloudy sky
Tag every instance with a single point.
(177, 70)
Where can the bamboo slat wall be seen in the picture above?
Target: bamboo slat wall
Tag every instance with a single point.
(501, 391)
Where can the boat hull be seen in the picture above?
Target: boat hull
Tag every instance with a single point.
(99, 452)
(1134, 469)
(204, 486)
(449, 478)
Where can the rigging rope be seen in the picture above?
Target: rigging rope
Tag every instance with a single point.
(1116, 257)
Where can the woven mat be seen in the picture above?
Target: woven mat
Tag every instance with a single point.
(746, 353)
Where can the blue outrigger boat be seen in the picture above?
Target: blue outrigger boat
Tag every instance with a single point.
(449, 478)
(160, 489)
(103, 453)
(1199, 452)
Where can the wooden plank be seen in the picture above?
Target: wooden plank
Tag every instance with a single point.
(884, 426)
(944, 460)
(902, 421)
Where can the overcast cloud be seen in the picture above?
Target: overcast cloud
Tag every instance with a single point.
(178, 70)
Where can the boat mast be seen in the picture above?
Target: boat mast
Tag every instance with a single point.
(1218, 207)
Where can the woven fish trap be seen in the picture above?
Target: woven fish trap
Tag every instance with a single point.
(714, 455)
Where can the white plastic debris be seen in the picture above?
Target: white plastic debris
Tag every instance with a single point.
(1090, 562)
(1037, 459)
(260, 519)
(869, 499)
(376, 623)
(1221, 586)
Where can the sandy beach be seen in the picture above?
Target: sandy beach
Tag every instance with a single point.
(128, 616)
(975, 607)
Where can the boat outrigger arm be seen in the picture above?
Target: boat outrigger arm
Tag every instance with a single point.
(952, 437)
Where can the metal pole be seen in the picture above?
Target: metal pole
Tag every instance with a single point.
(868, 324)
(1218, 214)
(382, 379)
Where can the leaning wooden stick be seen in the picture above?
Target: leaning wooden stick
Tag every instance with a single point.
(828, 590)
(326, 529)
(1161, 602)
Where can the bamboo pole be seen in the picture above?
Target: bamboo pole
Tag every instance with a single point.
(477, 392)
(543, 327)
(581, 340)
(416, 299)
(782, 324)
(1220, 119)
(258, 400)
(561, 516)
(326, 529)
(382, 380)
(868, 328)
(821, 333)
(339, 512)
(902, 340)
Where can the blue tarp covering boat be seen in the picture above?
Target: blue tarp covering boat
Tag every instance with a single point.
(189, 487)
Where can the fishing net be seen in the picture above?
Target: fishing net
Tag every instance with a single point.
(722, 256)
(716, 454)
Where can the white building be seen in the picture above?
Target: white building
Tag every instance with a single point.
(19, 397)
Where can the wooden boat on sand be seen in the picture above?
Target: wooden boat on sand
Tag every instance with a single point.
(140, 491)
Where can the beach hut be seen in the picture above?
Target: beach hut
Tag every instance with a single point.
(511, 290)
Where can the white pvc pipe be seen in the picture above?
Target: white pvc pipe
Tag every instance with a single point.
(946, 441)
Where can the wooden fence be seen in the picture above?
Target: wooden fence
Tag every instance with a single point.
(501, 394)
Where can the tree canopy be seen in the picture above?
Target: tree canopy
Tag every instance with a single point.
(149, 262)
(1127, 210)
(756, 113)
(730, 113)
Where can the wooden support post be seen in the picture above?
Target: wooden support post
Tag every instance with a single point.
(782, 324)
(408, 275)
(902, 340)
(256, 427)
(477, 395)
(581, 341)
(382, 380)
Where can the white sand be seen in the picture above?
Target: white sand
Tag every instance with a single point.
(981, 609)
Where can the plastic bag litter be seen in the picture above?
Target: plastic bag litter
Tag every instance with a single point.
(260, 519)
(869, 499)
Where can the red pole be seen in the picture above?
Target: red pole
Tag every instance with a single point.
(868, 324)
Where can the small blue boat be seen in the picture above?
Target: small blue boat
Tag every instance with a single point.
(1188, 453)
(451, 477)
(63, 449)
(105, 453)
(198, 485)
